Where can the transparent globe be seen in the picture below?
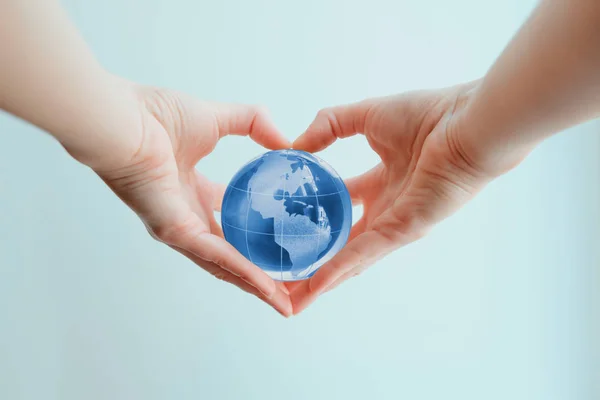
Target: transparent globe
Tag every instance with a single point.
(288, 212)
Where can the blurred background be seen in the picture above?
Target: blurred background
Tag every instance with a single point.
(499, 302)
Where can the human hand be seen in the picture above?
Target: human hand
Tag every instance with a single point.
(427, 172)
(151, 167)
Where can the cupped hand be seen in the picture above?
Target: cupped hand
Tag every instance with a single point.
(160, 183)
(427, 172)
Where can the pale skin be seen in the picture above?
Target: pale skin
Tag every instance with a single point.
(438, 148)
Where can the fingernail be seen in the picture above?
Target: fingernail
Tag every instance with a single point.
(289, 309)
(280, 313)
(286, 312)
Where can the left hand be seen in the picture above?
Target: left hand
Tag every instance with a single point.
(150, 164)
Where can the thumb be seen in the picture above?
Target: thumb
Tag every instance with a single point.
(249, 120)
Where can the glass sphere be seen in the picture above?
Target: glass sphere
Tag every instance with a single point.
(288, 212)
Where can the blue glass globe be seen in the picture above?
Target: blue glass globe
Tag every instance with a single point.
(288, 212)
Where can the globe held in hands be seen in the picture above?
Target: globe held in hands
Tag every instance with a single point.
(288, 212)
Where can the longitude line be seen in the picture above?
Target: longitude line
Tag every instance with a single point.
(281, 246)
(318, 218)
(246, 230)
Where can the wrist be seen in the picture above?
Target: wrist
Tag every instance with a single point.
(100, 125)
(491, 145)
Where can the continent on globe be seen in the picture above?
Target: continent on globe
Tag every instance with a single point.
(288, 212)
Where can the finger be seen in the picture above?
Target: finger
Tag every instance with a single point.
(280, 301)
(171, 221)
(358, 228)
(302, 294)
(193, 236)
(355, 188)
(282, 286)
(358, 187)
(216, 250)
(333, 123)
(292, 286)
(208, 195)
(302, 297)
(216, 229)
(218, 190)
(336, 283)
(398, 226)
(168, 217)
(350, 274)
(365, 249)
(365, 184)
(252, 121)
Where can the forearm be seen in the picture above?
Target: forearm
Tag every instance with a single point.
(49, 77)
(546, 80)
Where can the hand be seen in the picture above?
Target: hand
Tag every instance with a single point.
(160, 183)
(426, 173)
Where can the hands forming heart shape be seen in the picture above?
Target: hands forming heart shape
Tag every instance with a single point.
(424, 175)
(438, 148)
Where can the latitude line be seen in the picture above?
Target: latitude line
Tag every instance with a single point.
(271, 234)
(291, 197)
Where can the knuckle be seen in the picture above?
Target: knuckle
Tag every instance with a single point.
(356, 257)
(336, 265)
(324, 112)
(218, 260)
(215, 257)
(222, 276)
(349, 260)
(243, 275)
(260, 110)
(329, 116)
(389, 233)
(357, 272)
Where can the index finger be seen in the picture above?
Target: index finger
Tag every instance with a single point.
(333, 123)
(363, 250)
(280, 300)
(252, 121)
(216, 250)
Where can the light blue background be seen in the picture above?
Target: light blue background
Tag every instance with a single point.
(499, 302)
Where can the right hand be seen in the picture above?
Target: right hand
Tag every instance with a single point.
(428, 171)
